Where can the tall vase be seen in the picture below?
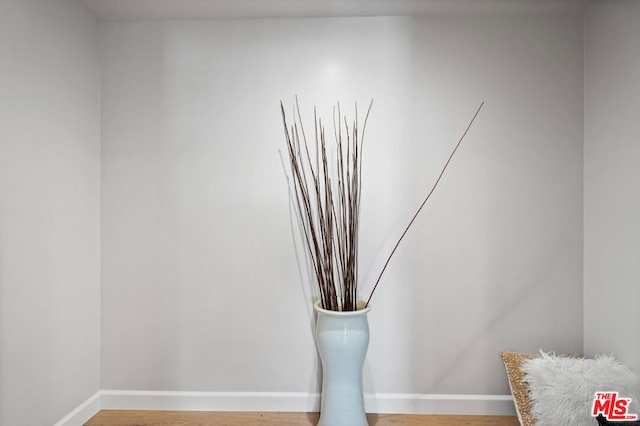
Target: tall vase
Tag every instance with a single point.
(342, 339)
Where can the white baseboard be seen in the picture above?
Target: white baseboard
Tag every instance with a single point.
(83, 412)
(210, 401)
(495, 405)
(487, 405)
(479, 405)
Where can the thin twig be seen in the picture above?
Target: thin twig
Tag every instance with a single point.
(423, 203)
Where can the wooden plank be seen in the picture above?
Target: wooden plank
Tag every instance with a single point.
(217, 418)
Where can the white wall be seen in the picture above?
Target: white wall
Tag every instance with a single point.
(611, 174)
(200, 285)
(49, 210)
(199, 264)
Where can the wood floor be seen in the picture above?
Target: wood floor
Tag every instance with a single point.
(206, 418)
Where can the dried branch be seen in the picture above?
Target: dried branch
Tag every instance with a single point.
(327, 198)
(328, 203)
(423, 203)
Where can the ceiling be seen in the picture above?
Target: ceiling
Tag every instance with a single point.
(145, 10)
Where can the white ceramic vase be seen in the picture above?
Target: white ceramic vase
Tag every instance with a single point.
(342, 339)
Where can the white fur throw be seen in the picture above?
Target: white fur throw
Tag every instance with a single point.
(562, 389)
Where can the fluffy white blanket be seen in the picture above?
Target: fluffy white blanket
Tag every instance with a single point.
(562, 389)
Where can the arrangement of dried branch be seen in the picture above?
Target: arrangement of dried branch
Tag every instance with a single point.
(327, 198)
